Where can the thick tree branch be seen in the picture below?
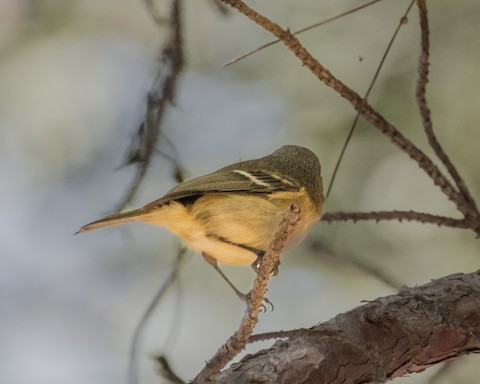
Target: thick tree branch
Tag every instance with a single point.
(386, 338)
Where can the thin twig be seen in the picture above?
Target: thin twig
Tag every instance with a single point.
(137, 337)
(161, 96)
(320, 23)
(423, 65)
(360, 105)
(421, 217)
(268, 266)
(372, 83)
(165, 371)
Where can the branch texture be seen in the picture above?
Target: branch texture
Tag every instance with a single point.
(421, 217)
(366, 110)
(267, 268)
(386, 338)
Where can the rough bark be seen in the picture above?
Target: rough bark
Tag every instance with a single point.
(383, 339)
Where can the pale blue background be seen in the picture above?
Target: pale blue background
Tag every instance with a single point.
(73, 79)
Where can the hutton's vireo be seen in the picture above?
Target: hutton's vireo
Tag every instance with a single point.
(232, 215)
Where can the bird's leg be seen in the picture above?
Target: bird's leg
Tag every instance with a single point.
(213, 262)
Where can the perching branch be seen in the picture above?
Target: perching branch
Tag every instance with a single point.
(384, 339)
(267, 268)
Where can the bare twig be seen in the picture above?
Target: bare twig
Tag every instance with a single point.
(398, 216)
(137, 337)
(423, 65)
(372, 83)
(357, 102)
(320, 23)
(268, 266)
(362, 107)
(160, 97)
(166, 371)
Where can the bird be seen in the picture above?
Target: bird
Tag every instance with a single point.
(230, 216)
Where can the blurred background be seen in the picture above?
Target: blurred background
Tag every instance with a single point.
(73, 82)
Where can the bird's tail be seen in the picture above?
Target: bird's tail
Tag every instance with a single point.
(113, 220)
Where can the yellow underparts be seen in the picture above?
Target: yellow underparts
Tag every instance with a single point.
(241, 219)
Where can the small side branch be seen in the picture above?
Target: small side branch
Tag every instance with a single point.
(464, 198)
(320, 23)
(360, 105)
(268, 267)
(134, 364)
(398, 216)
(367, 94)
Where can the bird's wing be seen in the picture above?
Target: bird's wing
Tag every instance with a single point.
(229, 180)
